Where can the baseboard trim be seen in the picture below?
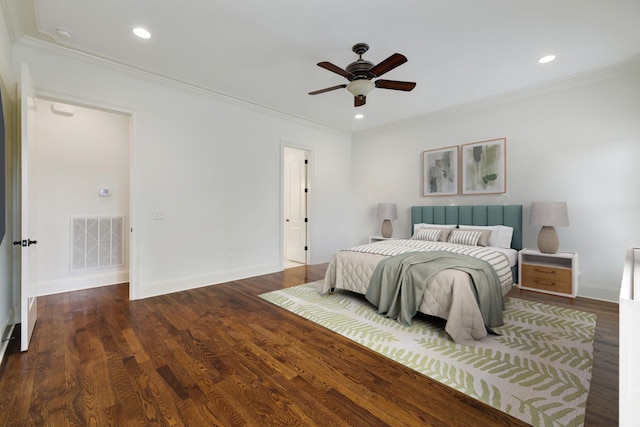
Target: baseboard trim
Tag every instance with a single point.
(7, 333)
(58, 286)
(163, 287)
(599, 293)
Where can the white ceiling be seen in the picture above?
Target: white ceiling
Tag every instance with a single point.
(265, 51)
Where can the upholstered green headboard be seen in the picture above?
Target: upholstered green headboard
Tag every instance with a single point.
(510, 215)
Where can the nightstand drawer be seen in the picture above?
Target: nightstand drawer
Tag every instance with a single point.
(546, 278)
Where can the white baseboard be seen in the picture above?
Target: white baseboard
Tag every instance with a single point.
(600, 293)
(5, 334)
(86, 281)
(191, 282)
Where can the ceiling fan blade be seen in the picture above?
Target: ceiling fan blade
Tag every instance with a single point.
(334, 68)
(388, 64)
(359, 100)
(395, 85)
(315, 92)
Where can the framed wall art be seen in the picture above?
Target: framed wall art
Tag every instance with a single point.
(484, 167)
(440, 172)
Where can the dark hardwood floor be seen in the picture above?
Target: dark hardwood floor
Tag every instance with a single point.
(220, 355)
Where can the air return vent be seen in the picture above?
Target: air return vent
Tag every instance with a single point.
(96, 242)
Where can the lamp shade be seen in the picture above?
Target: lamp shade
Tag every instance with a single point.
(552, 214)
(387, 211)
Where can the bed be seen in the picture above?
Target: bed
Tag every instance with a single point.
(449, 293)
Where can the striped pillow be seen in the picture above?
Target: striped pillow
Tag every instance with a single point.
(465, 237)
(445, 230)
(485, 235)
(428, 234)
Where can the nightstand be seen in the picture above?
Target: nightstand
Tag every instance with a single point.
(555, 274)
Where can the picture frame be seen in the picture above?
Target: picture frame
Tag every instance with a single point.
(440, 172)
(484, 166)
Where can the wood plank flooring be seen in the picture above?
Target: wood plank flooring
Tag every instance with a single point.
(221, 356)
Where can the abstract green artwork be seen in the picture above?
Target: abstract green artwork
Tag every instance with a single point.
(484, 167)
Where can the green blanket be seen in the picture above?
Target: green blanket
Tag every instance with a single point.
(398, 284)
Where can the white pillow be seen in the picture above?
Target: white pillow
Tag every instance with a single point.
(500, 237)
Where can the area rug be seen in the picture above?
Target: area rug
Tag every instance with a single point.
(538, 370)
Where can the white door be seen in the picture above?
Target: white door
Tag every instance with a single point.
(295, 204)
(28, 255)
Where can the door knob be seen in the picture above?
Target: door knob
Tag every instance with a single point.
(25, 243)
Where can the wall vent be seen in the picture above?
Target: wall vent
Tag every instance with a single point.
(96, 242)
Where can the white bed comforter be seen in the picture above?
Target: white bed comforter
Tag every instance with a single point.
(448, 295)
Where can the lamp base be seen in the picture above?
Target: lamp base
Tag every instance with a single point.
(387, 228)
(548, 240)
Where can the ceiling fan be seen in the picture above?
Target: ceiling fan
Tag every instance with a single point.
(361, 72)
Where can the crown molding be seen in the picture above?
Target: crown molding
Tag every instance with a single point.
(40, 46)
(630, 66)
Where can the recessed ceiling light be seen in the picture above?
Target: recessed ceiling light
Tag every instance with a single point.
(142, 33)
(546, 59)
(359, 116)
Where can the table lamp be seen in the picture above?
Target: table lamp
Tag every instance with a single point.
(548, 215)
(387, 212)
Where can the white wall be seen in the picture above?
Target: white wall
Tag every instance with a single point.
(76, 156)
(577, 142)
(213, 167)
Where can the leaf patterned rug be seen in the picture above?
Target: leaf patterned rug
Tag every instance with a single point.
(538, 370)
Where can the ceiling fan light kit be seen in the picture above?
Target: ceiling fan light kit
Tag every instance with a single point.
(360, 87)
(361, 72)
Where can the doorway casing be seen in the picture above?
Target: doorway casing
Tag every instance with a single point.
(296, 203)
(131, 115)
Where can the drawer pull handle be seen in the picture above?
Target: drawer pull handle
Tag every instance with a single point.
(545, 270)
(544, 282)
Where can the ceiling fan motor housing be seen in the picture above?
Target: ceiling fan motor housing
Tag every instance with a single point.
(360, 68)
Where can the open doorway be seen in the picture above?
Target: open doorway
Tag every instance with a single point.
(82, 191)
(296, 206)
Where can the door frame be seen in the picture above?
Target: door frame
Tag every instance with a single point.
(309, 198)
(133, 132)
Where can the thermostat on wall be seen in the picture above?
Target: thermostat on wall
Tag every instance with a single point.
(104, 192)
